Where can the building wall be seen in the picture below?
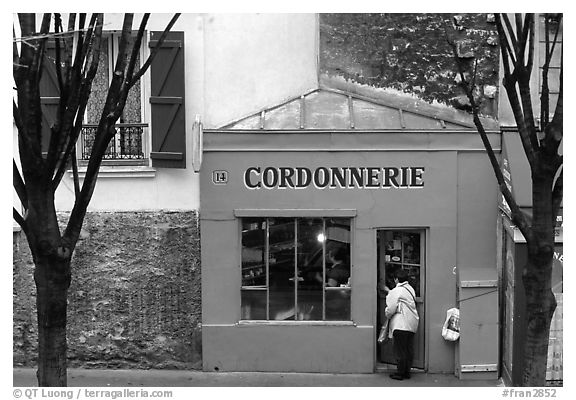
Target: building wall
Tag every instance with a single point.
(134, 300)
(254, 61)
(476, 267)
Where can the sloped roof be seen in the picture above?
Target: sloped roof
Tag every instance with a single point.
(332, 109)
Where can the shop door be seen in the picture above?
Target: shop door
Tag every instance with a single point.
(401, 249)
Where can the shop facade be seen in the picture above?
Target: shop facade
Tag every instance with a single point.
(393, 188)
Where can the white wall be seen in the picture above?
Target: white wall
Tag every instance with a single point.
(254, 61)
(236, 64)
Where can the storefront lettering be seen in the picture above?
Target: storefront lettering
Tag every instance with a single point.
(334, 177)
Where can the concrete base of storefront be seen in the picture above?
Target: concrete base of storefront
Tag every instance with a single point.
(26, 377)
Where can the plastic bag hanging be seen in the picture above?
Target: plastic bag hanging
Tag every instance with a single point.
(451, 328)
(384, 332)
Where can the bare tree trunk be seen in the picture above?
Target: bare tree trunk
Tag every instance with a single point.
(540, 306)
(52, 282)
(537, 277)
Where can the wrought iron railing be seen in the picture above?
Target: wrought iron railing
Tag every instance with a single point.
(127, 143)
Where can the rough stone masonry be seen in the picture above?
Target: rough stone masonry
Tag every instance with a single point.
(135, 296)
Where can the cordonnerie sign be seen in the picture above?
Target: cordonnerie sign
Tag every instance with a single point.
(334, 177)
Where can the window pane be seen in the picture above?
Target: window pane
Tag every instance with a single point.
(411, 255)
(412, 248)
(254, 268)
(337, 269)
(282, 268)
(253, 252)
(338, 304)
(253, 304)
(311, 238)
(99, 86)
(132, 110)
(403, 252)
(414, 278)
(337, 252)
(393, 247)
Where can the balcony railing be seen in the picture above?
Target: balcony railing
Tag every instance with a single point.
(127, 143)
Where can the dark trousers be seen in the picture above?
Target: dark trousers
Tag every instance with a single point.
(404, 351)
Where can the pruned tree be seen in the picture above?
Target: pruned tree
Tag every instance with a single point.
(37, 174)
(541, 143)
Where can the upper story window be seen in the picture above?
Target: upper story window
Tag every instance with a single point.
(296, 269)
(131, 141)
(153, 124)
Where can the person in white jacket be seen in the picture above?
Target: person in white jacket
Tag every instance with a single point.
(401, 311)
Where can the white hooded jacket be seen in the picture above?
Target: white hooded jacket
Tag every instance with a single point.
(401, 309)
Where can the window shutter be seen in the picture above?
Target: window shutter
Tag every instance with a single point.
(49, 94)
(167, 102)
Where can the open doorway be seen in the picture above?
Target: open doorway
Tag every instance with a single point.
(401, 249)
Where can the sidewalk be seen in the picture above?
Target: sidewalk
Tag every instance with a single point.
(26, 377)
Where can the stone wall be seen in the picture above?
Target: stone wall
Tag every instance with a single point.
(135, 296)
(410, 53)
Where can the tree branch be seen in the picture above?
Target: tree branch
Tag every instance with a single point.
(23, 135)
(58, 28)
(129, 79)
(553, 131)
(19, 219)
(545, 90)
(558, 193)
(521, 38)
(27, 28)
(522, 71)
(528, 128)
(519, 218)
(135, 50)
(512, 37)
(75, 173)
(121, 71)
(69, 42)
(19, 185)
(520, 106)
(38, 59)
(127, 83)
(529, 28)
(505, 47)
(94, 37)
(17, 68)
(155, 50)
(115, 92)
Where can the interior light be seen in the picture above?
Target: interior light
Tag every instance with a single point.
(321, 237)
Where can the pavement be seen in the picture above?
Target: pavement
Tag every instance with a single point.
(26, 377)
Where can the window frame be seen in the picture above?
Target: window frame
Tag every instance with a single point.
(113, 38)
(295, 215)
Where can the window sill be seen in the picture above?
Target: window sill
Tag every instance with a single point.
(119, 171)
(294, 323)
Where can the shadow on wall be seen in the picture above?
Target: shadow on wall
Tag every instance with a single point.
(135, 296)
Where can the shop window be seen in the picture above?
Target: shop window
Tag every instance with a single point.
(296, 269)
